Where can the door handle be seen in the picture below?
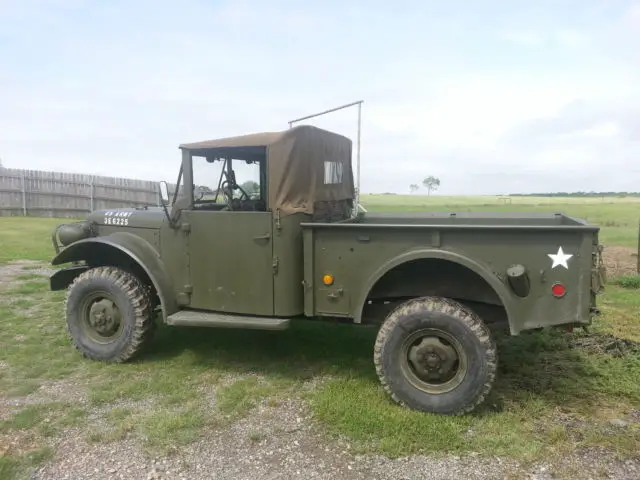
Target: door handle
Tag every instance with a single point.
(266, 236)
(335, 294)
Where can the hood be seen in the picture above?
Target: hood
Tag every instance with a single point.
(149, 217)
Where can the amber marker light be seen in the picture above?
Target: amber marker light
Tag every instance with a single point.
(327, 279)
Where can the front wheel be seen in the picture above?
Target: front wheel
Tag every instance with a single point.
(435, 355)
(109, 314)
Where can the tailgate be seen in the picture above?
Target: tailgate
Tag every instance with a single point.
(598, 270)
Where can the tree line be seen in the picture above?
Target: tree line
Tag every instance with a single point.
(577, 194)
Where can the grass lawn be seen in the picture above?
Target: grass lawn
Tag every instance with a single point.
(556, 392)
(26, 238)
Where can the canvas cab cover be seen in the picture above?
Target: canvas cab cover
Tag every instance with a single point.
(308, 168)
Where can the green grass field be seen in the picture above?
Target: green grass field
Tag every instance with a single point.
(556, 392)
(618, 217)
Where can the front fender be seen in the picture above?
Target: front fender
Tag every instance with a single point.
(138, 250)
(499, 287)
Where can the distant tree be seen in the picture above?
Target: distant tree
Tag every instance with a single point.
(201, 191)
(431, 183)
(204, 189)
(413, 187)
(251, 187)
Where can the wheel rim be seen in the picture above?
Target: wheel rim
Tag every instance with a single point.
(101, 319)
(433, 361)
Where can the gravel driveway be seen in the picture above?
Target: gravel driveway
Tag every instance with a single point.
(283, 441)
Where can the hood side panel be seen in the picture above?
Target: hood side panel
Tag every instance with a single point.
(125, 218)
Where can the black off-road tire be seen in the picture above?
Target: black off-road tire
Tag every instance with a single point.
(457, 322)
(130, 296)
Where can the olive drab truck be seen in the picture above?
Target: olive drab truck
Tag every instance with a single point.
(295, 247)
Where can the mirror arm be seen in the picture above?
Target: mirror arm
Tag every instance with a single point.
(163, 202)
(168, 215)
(175, 193)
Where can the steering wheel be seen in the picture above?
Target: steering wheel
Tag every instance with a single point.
(245, 195)
(224, 188)
(228, 193)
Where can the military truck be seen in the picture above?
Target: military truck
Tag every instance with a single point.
(298, 247)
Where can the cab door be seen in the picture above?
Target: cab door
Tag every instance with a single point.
(230, 256)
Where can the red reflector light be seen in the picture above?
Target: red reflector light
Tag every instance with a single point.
(558, 290)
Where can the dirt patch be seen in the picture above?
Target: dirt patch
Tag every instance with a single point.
(10, 278)
(65, 391)
(17, 443)
(12, 270)
(601, 343)
(620, 261)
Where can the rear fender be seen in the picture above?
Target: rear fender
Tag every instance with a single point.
(484, 272)
(96, 250)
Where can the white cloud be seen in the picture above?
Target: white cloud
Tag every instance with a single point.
(606, 129)
(528, 39)
(632, 17)
(571, 38)
(563, 37)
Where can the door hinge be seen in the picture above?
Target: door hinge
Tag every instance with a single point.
(277, 219)
(274, 265)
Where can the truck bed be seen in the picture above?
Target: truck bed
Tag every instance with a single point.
(462, 255)
(473, 218)
(463, 219)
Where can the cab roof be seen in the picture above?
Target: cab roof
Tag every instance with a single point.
(263, 139)
(306, 165)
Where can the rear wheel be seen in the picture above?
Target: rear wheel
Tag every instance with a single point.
(109, 314)
(435, 355)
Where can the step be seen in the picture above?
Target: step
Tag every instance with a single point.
(192, 318)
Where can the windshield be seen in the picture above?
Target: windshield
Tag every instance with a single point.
(227, 182)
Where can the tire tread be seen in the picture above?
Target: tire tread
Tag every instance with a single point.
(139, 296)
(449, 307)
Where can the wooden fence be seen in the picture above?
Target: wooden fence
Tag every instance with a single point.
(54, 194)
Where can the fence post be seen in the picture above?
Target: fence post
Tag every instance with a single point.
(24, 195)
(91, 193)
(638, 257)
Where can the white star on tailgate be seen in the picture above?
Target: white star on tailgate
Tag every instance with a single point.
(560, 258)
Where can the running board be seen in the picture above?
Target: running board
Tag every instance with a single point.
(190, 318)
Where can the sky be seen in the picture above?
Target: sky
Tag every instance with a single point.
(490, 96)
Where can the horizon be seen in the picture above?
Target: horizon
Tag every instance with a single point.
(559, 194)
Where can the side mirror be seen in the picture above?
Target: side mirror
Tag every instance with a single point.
(164, 192)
